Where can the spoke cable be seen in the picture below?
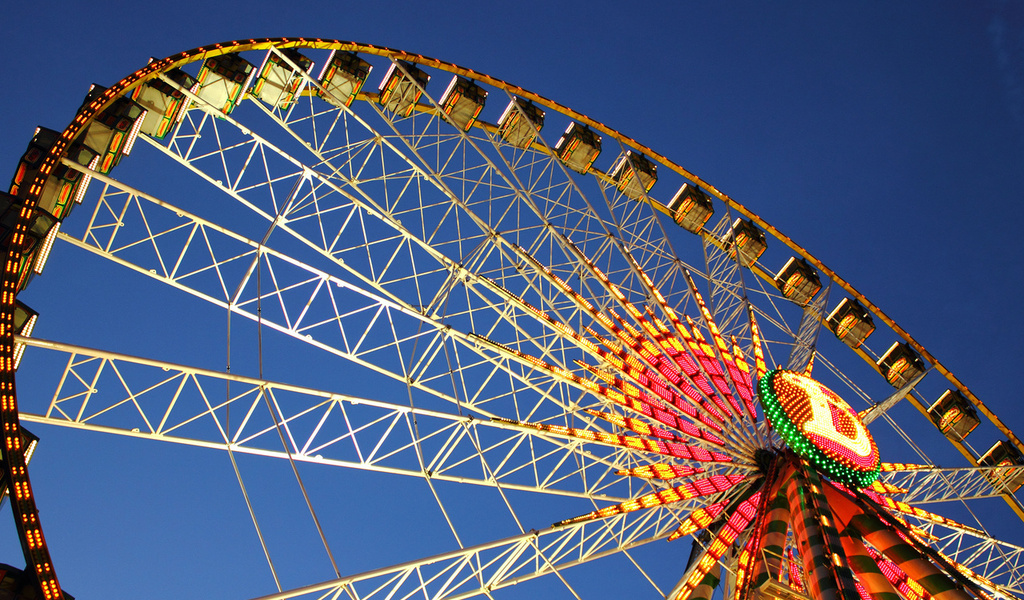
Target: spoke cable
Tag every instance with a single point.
(234, 463)
(277, 416)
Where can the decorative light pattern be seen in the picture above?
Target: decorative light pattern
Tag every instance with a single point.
(910, 589)
(820, 427)
(891, 467)
(881, 487)
(796, 578)
(684, 451)
(731, 530)
(739, 376)
(904, 508)
(697, 520)
(744, 564)
(693, 489)
(687, 393)
(755, 333)
(661, 471)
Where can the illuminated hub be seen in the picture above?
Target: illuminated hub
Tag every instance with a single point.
(820, 427)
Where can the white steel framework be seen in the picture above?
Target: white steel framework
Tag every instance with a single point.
(389, 285)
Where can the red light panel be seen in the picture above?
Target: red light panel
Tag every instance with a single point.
(796, 578)
(737, 522)
(661, 471)
(693, 489)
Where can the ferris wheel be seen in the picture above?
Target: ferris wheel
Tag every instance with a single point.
(487, 345)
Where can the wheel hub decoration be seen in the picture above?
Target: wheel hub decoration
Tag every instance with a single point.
(819, 426)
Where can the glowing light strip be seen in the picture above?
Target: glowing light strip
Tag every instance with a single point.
(693, 372)
(911, 589)
(907, 509)
(689, 367)
(752, 549)
(698, 519)
(636, 426)
(890, 467)
(665, 394)
(19, 349)
(627, 395)
(706, 356)
(735, 525)
(735, 375)
(133, 134)
(536, 312)
(745, 384)
(796, 577)
(744, 565)
(760, 368)
(44, 248)
(83, 185)
(967, 571)
(881, 487)
(677, 351)
(684, 451)
(810, 365)
(664, 417)
(862, 591)
(657, 367)
(661, 471)
(693, 489)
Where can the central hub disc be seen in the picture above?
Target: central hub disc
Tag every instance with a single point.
(820, 427)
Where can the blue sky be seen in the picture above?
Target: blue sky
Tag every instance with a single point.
(887, 140)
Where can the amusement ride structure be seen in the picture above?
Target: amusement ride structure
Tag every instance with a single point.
(428, 273)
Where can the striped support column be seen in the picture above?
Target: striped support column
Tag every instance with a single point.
(707, 586)
(887, 541)
(912, 562)
(773, 540)
(750, 557)
(828, 576)
(871, 577)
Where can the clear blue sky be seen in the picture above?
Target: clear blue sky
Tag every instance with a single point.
(886, 139)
